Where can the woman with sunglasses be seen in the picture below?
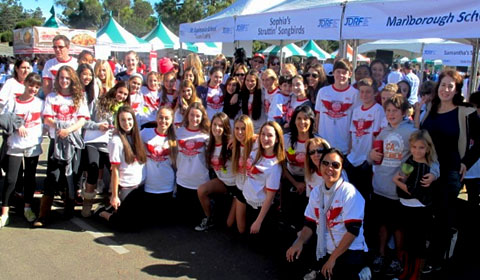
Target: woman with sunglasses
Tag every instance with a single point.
(316, 79)
(221, 61)
(273, 62)
(240, 72)
(335, 213)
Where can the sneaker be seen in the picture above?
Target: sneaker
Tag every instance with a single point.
(100, 187)
(204, 225)
(378, 264)
(395, 268)
(428, 268)
(4, 220)
(29, 215)
(312, 275)
(40, 222)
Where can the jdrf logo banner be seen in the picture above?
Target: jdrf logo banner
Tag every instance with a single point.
(318, 23)
(412, 19)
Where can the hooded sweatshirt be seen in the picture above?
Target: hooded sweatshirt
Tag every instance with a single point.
(396, 150)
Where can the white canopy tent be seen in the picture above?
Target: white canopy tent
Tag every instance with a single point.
(408, 19)
(220, 27)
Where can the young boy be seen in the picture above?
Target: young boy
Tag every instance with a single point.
(388, 91)
(365, 126)
(280, 102)
(385, 203)
(334, 107)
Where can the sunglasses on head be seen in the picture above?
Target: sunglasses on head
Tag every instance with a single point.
(313, 75)
(335, 165)
(316, 151)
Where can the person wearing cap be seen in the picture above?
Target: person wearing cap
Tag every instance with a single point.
(413, 80)
(257, 62)
(165, 65)
(131, 61)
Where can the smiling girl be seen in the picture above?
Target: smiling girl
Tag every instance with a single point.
(15, 85)
(187, 96)
(192, 170)
(264, 171)
(65, 113)
(98, 133)
(24, 144)
(251, 97)
(212, 94)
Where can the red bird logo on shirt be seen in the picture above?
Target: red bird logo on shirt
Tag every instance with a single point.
(190, 147)
(158, 153)
(63, 112)
(336, 109)
(361, 125)
(151, 102)
(253, 170)
(332, 214)
(217, 163)
(216, 102)
(31, 119)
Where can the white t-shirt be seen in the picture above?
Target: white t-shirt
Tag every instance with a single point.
(151, 99)
(61, 108)
(243, 165)
(130, 175)
(394, 77)
(295, 157)
(223, 171)
(192, 168)
(160, 174)
(52, 65)
(294, 103)
(264, 176)
(178, 118)
(137, 103)
(214, 101)
(268, 99)
(278, 107)
(31, 111)
(366, 124)
(414, 82)
(315, 180)
(11, 89)
(170, 100)
(347, 206)
(335, 108)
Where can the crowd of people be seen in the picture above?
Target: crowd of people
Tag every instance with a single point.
(371, 168)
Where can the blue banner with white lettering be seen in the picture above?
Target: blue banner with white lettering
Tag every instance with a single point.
(412, 19)
(217, 30)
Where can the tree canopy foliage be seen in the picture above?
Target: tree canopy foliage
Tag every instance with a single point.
(13, 15)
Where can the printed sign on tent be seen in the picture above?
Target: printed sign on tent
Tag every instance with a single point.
(218, 30)
(411, 19)
(450, 54)
(319, 23)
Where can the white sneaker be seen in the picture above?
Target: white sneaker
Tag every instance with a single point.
(100, 186)
(29, 215)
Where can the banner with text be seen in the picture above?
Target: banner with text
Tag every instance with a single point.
(450, 54)
(217, 30)
(412, 19)
(318, 23)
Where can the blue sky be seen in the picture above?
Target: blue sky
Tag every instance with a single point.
(46, 5)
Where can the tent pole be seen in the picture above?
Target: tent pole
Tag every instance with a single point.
(281, 54)
(472, 87)
(354, 58)
(422, 65)
(180, 60)
(341, 43)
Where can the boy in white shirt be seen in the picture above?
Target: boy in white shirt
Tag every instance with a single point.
(334, 107)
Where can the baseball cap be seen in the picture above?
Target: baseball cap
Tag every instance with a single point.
(165, 65)
(259, 55)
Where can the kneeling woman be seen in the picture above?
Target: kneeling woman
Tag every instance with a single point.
(264, 171)
(127, 158)
(335, 212)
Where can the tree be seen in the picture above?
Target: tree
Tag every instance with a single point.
(116, 6)
(173, 13)
(11, 11)
(82, 14)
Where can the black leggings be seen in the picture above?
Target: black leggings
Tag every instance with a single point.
(96, 159)
(14, 164)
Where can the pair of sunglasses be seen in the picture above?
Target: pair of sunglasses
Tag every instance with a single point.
(316, 151)
(314, 75)
(335, 165)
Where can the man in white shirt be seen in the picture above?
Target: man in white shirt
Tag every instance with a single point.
(414, 82)
(395, 75)
(61, 47)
